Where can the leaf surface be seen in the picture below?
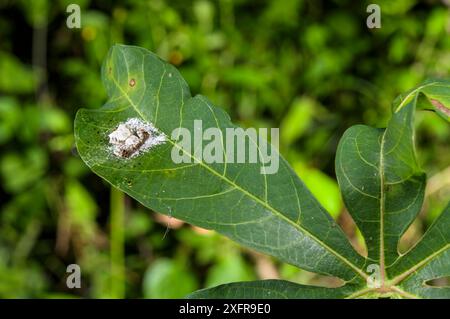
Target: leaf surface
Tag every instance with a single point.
(383, 189)
(271, 289)
(429, 259)
(381, 183)
(272, 213)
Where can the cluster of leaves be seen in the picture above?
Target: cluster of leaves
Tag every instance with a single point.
(294, 64)
(381, 183)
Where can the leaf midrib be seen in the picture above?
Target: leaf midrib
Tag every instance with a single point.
(275, 211)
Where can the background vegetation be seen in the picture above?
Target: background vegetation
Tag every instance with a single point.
(310, 67)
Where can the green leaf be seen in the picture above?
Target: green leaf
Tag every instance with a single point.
(429, 259)
(274, 214)
(323, 187)
(431, 95)
(297, 120)
(270, 289)
(167, 278)
(381, 184)
(230, 267)
(15, 77)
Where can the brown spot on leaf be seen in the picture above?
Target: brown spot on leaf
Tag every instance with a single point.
(132, 82)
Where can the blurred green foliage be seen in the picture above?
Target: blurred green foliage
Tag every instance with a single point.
(310, 67)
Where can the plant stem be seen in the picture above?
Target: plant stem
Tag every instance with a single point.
(117, 210)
